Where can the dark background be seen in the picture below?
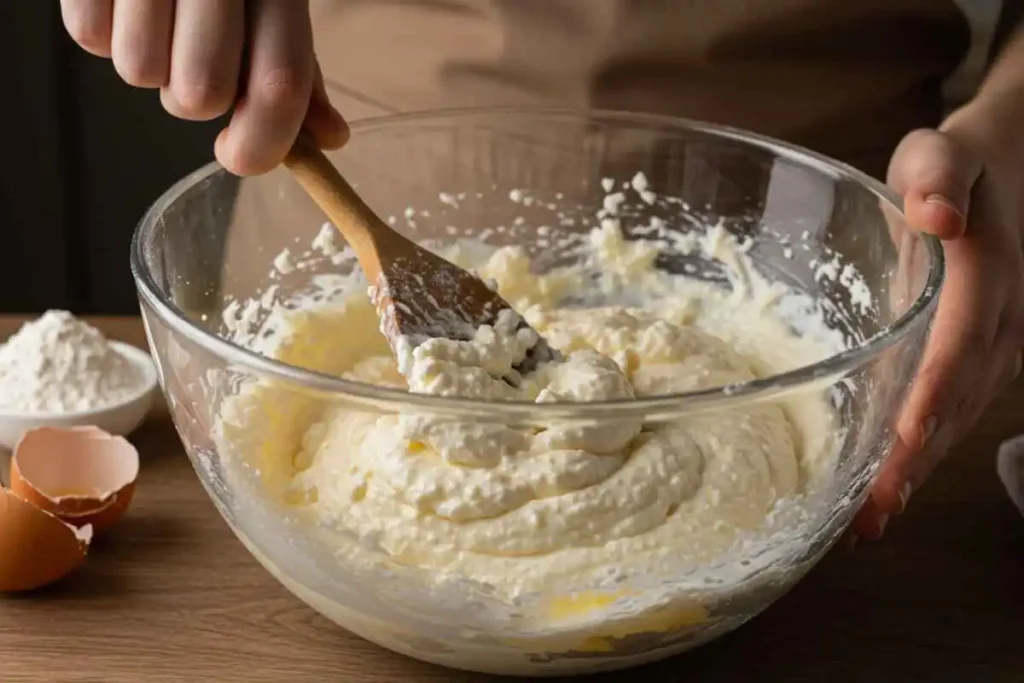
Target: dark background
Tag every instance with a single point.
(85, 155)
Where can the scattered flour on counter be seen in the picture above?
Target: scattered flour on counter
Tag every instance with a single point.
(59, 364)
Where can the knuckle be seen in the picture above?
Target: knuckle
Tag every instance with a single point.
(966, 407)
(201, 99)
(926, 159)
(89, 35)
(282, 88)
(950, 387)
(245, 159)
(920, 136)
(141, 71)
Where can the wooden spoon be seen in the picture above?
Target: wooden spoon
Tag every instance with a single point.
(418, 295)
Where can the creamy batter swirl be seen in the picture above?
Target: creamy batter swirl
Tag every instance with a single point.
(503, 502)
(547, 508)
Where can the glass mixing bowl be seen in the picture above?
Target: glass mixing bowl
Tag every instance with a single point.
(207, 258)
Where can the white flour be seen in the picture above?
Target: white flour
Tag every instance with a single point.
(59, 364)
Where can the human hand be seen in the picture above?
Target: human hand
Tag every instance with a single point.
(208, 57)
(968, 192)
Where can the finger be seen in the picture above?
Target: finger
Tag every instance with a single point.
(89, 23)
(140, 43)
(323, 122)
(277, 93)
(960, 344)
(905, 472)
(935, 175)
(206, 59)
(870, 521)
(945, 398)
(888, 497)
(1006, 374)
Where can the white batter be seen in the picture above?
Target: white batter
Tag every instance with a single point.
(550, 510)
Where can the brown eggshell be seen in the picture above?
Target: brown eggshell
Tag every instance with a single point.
(83, 475)
(36, 548)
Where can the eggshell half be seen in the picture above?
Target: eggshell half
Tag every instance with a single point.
(36, 548)
(83, 475)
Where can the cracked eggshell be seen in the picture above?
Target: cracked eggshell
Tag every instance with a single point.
(36, 548)
(82, 475)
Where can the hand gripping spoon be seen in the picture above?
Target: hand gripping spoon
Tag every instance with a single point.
(418, 295)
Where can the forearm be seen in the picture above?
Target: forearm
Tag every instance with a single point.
(996, 114)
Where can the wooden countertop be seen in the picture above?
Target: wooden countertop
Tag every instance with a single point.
(172, 596)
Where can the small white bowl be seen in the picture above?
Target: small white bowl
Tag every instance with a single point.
(118, 419)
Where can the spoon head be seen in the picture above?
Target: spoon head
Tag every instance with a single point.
(419, 296)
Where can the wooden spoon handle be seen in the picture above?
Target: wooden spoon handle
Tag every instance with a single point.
(356, 221)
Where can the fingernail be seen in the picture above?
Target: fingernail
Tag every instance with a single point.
(882, 521)
(939, 200)
(928, 428)
(905, 492)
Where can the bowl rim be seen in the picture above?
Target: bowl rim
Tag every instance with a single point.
(824, 372)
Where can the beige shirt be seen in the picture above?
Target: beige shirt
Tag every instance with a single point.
(845, 78)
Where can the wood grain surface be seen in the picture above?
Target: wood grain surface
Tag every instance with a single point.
(172, 596)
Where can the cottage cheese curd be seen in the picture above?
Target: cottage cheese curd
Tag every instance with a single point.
(526, 508)
(557, 510)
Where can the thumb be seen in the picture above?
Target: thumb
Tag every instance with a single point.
(935, 174)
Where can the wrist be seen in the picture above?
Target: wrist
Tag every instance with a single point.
(993, 125)
(994, 118)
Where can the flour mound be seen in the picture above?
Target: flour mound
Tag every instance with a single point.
(60, 364)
